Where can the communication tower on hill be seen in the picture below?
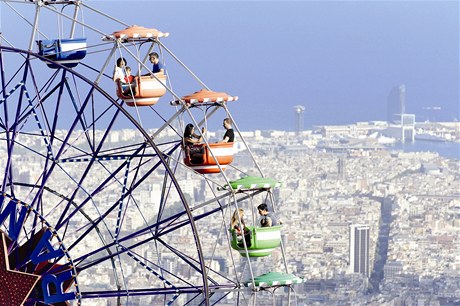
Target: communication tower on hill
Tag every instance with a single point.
(299, 111)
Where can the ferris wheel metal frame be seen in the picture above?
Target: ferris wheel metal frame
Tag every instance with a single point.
(51, 232)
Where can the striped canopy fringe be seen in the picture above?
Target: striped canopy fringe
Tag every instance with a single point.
(205, 96)
(274, 279)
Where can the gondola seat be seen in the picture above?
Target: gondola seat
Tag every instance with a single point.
(204, 163)
(147, 90)
(263, 240)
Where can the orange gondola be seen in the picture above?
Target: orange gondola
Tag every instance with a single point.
(206, 164)
(147, 90)
(222, 151)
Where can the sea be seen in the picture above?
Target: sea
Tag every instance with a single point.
(446, 149)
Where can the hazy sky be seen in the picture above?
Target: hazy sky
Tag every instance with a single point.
(340, 59)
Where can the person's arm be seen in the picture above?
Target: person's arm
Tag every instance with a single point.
(265, 221)
(190, 140)
(118, 74)
(195, 138)
(199, 138)
(115, 75)
(269, 222)
(262, 221)
(226, 139)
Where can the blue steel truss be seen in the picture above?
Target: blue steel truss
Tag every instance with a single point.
(33, 109)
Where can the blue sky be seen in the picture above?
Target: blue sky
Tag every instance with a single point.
(340, 59)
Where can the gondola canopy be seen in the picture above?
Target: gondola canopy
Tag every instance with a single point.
(271, 279)
(136, 33)
(205, 96)
(252, 182)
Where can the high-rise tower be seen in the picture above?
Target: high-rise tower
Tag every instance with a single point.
(402, 98)
(396, 104)
(299, 111)
(359, 249)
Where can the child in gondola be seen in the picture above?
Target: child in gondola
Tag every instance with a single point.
(128, 78)
(129, 86)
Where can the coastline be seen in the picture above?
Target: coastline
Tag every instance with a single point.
(443, 148)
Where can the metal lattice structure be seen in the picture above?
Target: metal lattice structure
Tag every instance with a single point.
(99, 206)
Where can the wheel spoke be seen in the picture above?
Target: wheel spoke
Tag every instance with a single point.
(94, 194)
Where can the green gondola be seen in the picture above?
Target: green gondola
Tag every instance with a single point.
(251, 183)
(273, 279)
(262, 241)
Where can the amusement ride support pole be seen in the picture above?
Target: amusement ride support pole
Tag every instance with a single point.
(75, 15)
(35, 26)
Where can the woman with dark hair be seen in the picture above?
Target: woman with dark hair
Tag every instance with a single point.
(190, 139)
(119, 70)
(128, 88)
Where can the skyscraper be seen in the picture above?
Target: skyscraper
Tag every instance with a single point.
(402, 98)
(396, 105)
(359, 249)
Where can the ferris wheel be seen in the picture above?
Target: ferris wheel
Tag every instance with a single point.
(97, 207)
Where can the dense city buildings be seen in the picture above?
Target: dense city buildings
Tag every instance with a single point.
(363, 222)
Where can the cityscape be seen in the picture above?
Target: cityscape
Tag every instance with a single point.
(140, 151)
(403, 205)
(363, 222)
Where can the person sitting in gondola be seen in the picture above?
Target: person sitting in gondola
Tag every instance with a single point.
(157, 64)
(118, 72)
(266, 219)
(155, 60)
(190, 139)
(229, 133)
(128, 78)
(239, 226)
(129, 85)
(129, 88)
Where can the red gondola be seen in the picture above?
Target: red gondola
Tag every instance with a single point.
(146, 92)
(223, 152)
